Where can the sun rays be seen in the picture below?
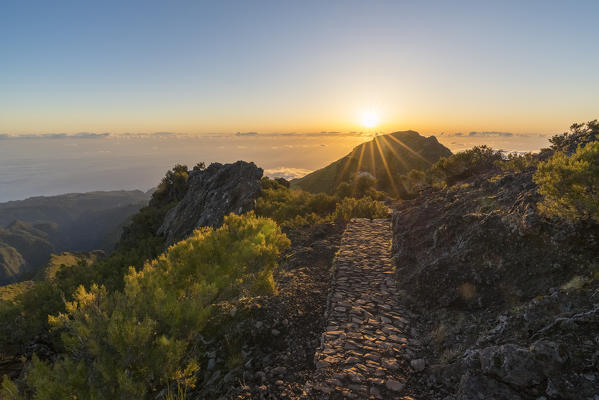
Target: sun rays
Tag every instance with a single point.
(383, 155)
(386, 165)
(409, 149)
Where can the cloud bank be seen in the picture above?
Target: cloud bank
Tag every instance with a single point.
(491, 134)
(94, 135)
(79, 135)
(286, 172)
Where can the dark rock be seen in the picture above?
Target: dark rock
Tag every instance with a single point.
(511, 364)
(394, 385)
(213, 193)
(505, 297)
(479, 387)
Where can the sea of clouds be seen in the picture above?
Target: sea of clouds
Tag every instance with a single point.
(57, 163)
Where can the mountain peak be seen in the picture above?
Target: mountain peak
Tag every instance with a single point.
(386, 157)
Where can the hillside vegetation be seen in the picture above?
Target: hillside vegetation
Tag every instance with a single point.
(290, 207)
(65, 260)
(10, 292)
(144, 339)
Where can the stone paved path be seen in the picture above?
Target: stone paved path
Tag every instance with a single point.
(361, 355)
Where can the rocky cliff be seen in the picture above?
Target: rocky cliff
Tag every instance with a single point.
(506, 298)
(212, 193)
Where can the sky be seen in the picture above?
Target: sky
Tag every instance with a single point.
(99, 95)
(205, 67)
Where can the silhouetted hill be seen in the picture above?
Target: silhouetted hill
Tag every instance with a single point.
(386, 157)
(78, 221)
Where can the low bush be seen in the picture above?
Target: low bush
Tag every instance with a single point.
(514, 162)
(134, 343)
(297, 208)
(570, 184)
(293, 207)
(360, 208)
(362, 185)
(465, 164)
(579, 134)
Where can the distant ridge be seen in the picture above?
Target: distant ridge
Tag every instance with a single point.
(34, 228)
(386, 157)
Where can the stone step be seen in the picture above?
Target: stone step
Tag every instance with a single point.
(361, 351)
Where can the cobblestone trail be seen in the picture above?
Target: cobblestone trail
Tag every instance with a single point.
(362, 351)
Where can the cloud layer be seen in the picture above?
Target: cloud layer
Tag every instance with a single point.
(286, 172)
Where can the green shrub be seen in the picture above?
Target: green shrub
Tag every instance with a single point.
(26, 317)
(579, 134)
(409, 185)
(362, 185)
(416, 177)
(360, 208)
(298, 208)
(465, 164)
(173, 186)
(131, 343)
(570, 184)
(515, 162)
(293, 207)
(8, 390)
(344, 190)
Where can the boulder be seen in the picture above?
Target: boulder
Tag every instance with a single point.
(213, 193)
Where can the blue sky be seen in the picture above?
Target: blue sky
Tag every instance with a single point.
(199, 67)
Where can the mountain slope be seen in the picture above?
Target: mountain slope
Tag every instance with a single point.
(39, 226)
(386, 157)
(23, 248)
(11, 262)
(70, 217)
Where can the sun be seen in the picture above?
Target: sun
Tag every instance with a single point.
(370, 119)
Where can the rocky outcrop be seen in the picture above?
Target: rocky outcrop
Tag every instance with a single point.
(212, 194)
(506, 297)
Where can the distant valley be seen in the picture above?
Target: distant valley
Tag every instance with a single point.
(32, 229)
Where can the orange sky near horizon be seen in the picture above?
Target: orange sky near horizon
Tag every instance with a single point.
(310, 66)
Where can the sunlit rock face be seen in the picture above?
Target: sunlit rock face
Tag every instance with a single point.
(213, 193)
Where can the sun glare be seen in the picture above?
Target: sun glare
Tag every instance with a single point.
(370, 119)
